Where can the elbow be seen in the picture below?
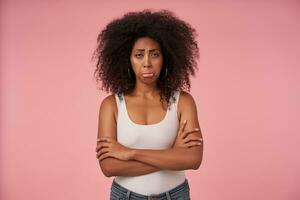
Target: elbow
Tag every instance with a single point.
(106, 173)
(197, 164)
(197, 158)
(106, 170)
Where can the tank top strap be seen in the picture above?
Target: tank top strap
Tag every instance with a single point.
(177, 95)
(175, 103)
(117, 100)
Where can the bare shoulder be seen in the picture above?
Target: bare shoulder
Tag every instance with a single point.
(109, 100)
(187, 109)
(186, 95)
(107, 117)
(185, 100)
(109, 105)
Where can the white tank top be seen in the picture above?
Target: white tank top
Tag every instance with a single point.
(161, 135)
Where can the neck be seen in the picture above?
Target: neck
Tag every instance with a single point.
(141, 89)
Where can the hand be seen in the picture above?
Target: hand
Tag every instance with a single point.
(184, 139)
(110, 148)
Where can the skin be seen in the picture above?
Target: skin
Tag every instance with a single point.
(144, 107)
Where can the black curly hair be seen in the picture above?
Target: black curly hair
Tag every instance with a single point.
(177, 41)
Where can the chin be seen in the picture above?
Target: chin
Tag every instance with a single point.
(147, 81)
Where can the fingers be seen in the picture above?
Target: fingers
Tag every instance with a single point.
(101, 151)
(191, 144)
(102, 148)
(191, 141)
(192, 138)
(103, 156)
(190, 131)
(103, 139)
(101, 145)
(102, 142)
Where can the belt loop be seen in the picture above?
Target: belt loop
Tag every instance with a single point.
(168, 196)
(128, 195)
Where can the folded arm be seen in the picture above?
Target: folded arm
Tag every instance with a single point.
(169, 159)
(115, 167)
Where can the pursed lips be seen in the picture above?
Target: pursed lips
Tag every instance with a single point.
(147, 74)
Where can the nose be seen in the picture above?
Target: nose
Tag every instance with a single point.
(147, 62)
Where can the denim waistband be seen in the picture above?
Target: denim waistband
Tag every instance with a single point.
(183, 187)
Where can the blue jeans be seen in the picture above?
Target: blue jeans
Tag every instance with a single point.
(180, 192)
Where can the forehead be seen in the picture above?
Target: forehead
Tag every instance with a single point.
(146, 43)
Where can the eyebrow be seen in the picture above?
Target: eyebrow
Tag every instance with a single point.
(144, 50)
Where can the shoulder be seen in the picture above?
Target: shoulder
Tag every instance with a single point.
(186, 103)
(185, 98)
(109, 101)
(109, 104)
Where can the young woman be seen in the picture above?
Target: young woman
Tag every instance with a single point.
(148, 130)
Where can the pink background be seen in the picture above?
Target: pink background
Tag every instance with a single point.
(246, 89)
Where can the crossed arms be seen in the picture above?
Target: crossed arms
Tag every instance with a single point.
(144, 161)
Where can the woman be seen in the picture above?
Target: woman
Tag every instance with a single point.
(148, 130)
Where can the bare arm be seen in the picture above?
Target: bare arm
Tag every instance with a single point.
(169, 159)
(107, 128)
(126, 168)
(177, 158)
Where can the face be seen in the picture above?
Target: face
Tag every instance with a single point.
(146, 60)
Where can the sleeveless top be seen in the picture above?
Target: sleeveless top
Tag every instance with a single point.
(160, 135)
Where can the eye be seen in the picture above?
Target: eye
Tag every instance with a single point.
(138, 55)
(155, 54)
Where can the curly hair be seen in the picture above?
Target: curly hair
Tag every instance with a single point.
(177, 41)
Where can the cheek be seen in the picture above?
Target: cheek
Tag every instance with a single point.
(135, 62)
(158, 64)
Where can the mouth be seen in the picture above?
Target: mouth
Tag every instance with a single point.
(147, 75)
